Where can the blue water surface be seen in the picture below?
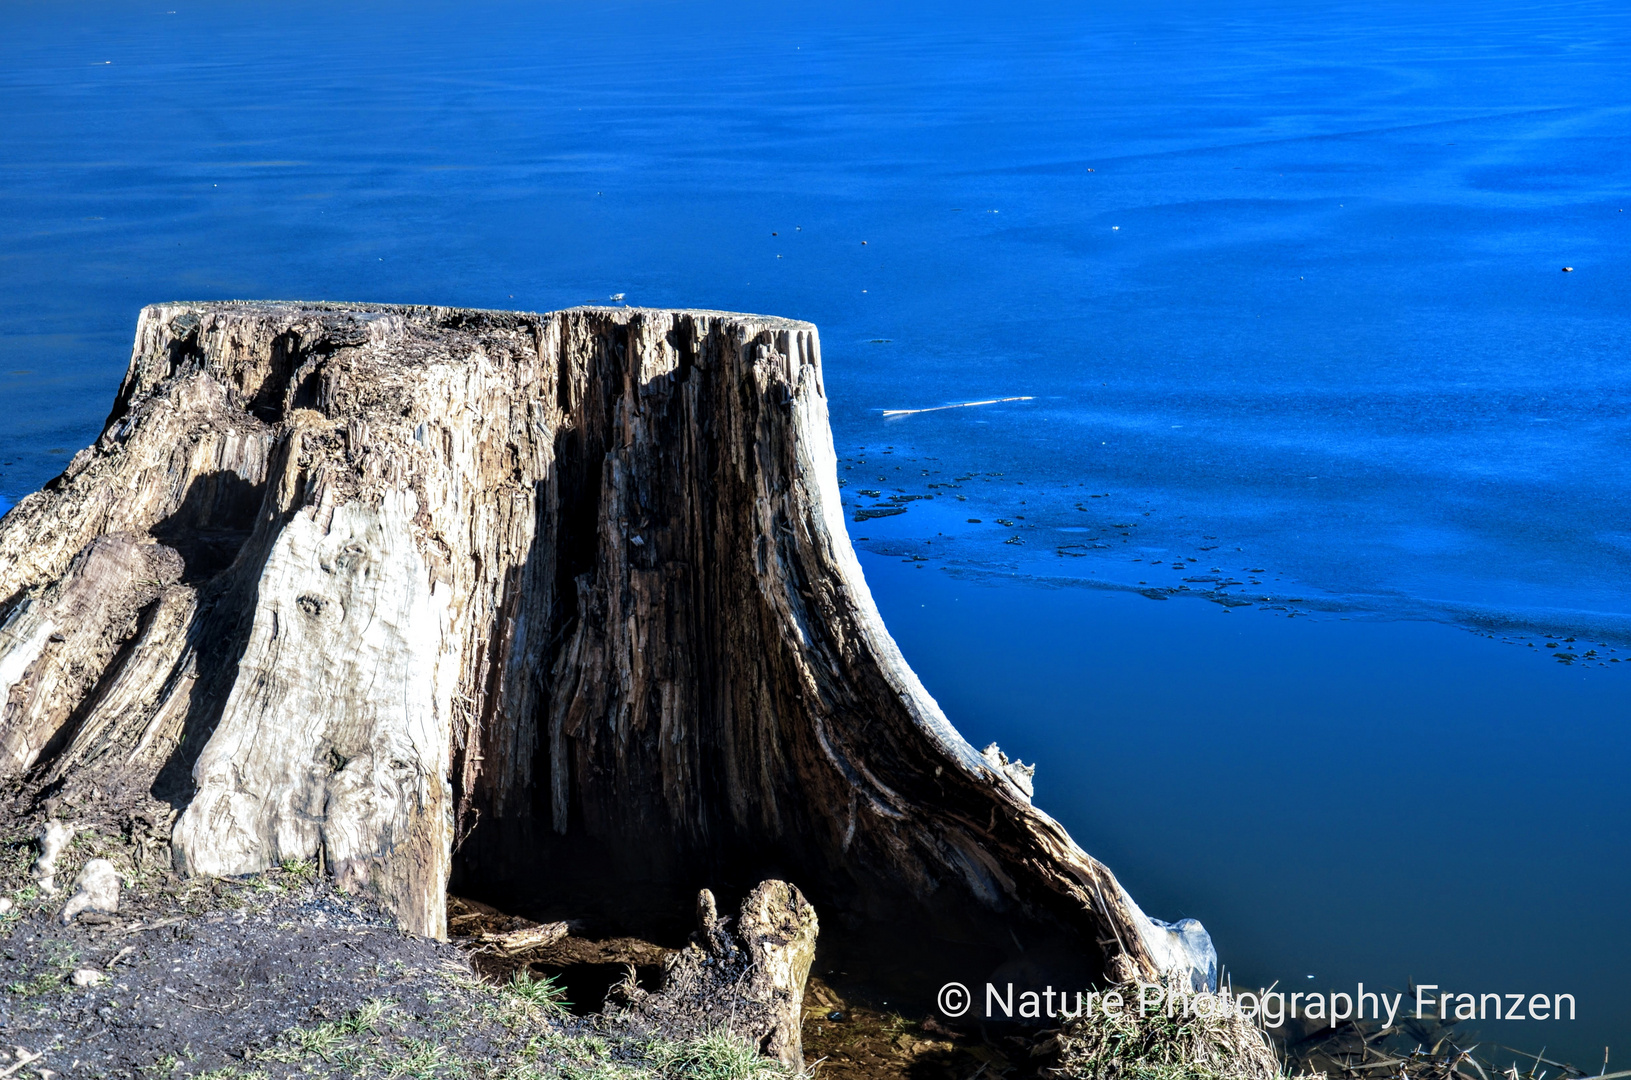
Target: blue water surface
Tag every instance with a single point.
(1280, 283)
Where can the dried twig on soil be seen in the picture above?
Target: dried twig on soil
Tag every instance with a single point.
(23, 1058)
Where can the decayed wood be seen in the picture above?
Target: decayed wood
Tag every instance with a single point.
(532, 939)
(543, 604)
(569, 951)
(745, 974)
(555, 944)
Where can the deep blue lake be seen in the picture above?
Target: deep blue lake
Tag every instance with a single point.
(1281, 285)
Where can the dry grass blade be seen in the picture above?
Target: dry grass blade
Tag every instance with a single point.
(1539, 1061)
(1423, 1050)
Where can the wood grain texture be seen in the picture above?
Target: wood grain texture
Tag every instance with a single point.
(542, 603)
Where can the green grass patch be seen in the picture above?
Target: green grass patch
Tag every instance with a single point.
(43, 983)
(544, 997)
(332, 1040)
(718, 1055)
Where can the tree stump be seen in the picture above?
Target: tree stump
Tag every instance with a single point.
(558, 607)
(745, 975)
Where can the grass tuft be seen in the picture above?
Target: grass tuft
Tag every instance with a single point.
(366, 1018)
(421, 1060)
(302, 870)
(168, 1065)
(329, 1040)
(537, 997)
(719, 1055)
(1221, 1045)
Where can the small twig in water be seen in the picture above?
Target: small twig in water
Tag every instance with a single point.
(959, 405)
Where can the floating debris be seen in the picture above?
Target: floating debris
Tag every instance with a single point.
(959, 405)
(870, 512)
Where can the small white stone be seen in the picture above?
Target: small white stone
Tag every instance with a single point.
(87, 977)
(53, 838)
(98, 890)
(6, 904)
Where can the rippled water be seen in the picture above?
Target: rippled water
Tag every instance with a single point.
(1281, 283)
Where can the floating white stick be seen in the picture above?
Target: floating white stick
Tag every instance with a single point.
(960, 405)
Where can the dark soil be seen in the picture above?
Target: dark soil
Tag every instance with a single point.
(216, 974)
(279, 975)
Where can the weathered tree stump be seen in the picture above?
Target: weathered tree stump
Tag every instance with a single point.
(560, 607)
